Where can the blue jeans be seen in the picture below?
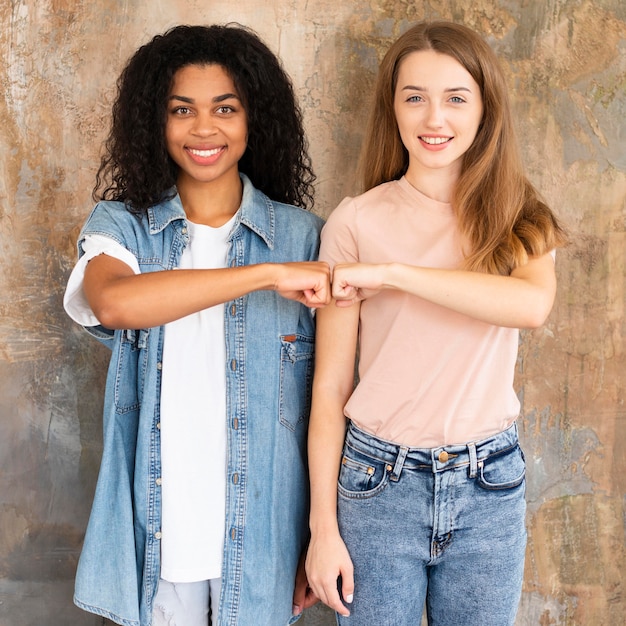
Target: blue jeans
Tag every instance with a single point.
(442, 526)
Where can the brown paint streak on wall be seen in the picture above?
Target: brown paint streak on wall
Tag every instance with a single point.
(566, 66)
(577, 549)
(51, 548)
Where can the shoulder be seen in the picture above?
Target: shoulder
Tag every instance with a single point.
(295, 231)
(363, 208)
(271, 218)
(114, 220)
(111, 219)
(298, 215)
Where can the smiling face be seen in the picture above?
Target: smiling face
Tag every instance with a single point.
(206, 128)
(438, 108)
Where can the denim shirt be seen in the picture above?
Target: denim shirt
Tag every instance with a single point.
(269, 348)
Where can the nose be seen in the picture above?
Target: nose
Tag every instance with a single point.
(204, 124)
(434, 117)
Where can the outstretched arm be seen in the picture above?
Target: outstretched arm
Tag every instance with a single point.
(327, 557)
(121, 299)
(522, 300)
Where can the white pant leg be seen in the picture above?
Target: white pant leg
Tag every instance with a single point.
(182, 604)
(215, 585)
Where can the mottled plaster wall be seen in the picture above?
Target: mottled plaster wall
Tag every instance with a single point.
(566, 64)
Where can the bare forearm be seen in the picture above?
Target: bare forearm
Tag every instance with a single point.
(521, 300)
(326, 436)
(336, 340)
(500, 300)
(153, 299)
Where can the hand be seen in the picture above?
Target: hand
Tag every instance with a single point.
(326, 561)
(353, 282)
(303, 596)
(306, 282)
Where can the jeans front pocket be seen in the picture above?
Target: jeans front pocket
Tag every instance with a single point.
(505, 470)
(361, 475)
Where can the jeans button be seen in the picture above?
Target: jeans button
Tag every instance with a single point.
(443, 456)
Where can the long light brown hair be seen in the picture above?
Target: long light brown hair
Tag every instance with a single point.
(499, 212)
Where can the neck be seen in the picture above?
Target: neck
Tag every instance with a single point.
(211, 204)
(435, 184)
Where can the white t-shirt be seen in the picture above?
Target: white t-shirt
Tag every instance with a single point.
(193, 411)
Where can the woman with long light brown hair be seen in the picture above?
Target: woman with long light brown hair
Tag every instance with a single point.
(437, 265)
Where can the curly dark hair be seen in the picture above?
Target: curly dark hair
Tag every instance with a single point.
(136, 168)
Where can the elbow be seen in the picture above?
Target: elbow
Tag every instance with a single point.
(533, 323)
(111, 316)
(536, 316)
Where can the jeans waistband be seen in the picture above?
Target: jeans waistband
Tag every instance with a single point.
(440, 459)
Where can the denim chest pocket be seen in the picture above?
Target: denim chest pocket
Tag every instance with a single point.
(131, 367)
(296, 374)
(360, 475)
(502, 471)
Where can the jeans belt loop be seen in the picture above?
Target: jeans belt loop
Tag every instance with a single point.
(397, 468)
(471, 448)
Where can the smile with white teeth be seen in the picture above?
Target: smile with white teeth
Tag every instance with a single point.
(204, 153)
(435, 141)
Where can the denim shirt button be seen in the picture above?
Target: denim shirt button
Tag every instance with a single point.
(233, 364)
(158, 481)
(233, 534)
(233, 309)
(159, 365)
(236, 423)
(158, 425)
(235, 478)
(158, 535)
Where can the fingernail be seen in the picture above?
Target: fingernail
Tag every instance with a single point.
(349, 598)
(295, 610)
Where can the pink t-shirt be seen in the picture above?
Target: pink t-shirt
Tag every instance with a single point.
(427, 376)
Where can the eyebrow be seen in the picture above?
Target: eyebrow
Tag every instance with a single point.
(448, 90)
(217, 99)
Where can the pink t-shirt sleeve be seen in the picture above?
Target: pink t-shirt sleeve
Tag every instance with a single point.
(339, 235)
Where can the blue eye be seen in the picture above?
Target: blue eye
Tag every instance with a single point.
(457, 99)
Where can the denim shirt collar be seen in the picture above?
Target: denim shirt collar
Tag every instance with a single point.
(256, 212)
(162, 214)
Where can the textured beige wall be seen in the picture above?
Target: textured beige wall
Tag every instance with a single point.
(566, 63)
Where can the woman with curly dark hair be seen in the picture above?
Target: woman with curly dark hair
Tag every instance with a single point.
(200, 274)
(275, 159)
